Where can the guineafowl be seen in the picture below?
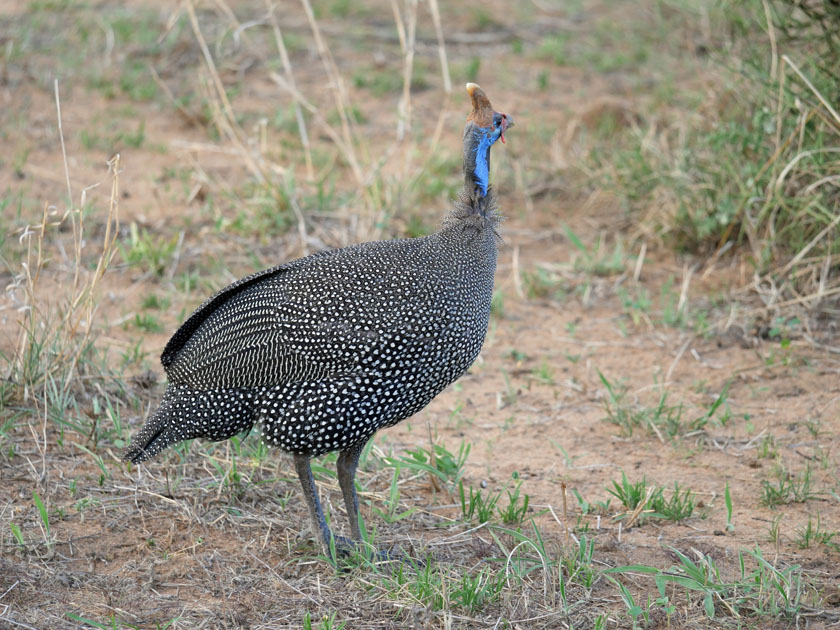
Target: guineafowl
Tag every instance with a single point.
(322, 352)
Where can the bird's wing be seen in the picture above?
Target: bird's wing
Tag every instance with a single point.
(185, 332)
(288, 324)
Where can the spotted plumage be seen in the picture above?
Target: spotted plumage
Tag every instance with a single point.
(320, 353)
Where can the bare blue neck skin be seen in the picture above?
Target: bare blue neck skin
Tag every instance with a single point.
(478, 141)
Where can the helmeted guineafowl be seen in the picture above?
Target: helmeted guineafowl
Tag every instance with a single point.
(322, 352)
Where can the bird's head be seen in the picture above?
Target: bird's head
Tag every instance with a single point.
(484, 126)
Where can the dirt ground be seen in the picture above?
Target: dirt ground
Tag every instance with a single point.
(178, 541)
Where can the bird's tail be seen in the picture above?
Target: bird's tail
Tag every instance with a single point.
(184, 414)
(154, 436)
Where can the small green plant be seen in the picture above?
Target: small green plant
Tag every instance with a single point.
(382, 81)
(763, 591)
(598, 260)
(814, 427)
(86, 503)
(497, 304)
(152, 301)
(473, 592)
(553, 47)
(637, 305)
(783, 328)
(544, 373)
(418, 225)
(674, 311)
(440, 462)
(630, 494)
(133, 355)
(678, 508)
(471, 72)
(511, 394)
(137, 82)
(788, 488)
(601, 507)
(528, 552)
(328, 622)
(17, 534)
(666, 418)
(144, 250)
(812, 533)
(113, 142)
(45, 518)
(727, 497)
(477, 506)
(517, 506)
(720, 401)
(578, 566)
(148, 323)
(437, 588)
(618, 411)
(392, 512)
(774, 534)
(543, 283)
(98, 460)
(135, 140)
(767, 448)
(633, 609)
(426, 585)
(627, 416)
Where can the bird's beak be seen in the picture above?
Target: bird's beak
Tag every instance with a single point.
(507, 123)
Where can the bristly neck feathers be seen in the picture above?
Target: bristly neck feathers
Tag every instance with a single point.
(474, 211)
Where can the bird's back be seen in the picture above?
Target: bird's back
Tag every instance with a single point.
(359, 309)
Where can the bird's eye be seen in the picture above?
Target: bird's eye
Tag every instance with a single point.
(497, 119)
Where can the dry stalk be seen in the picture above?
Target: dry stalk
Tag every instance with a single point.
(290, 77)
(640, 261)
(339, 91)
(407, 33)
(774, 56)
(801, 254)
(770, 162)
(83, 305)
(270, 18)
(688, 272)
(225, 119)
(813, 89)
(565, 518)
(378, 196)
(63, 148)
(334, 136)
(70, 333)
(640, 507)
(444, 64)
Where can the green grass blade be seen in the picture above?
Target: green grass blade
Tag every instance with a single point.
(45, 517)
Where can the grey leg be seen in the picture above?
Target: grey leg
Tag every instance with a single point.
(310, 493)
(348, 460)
